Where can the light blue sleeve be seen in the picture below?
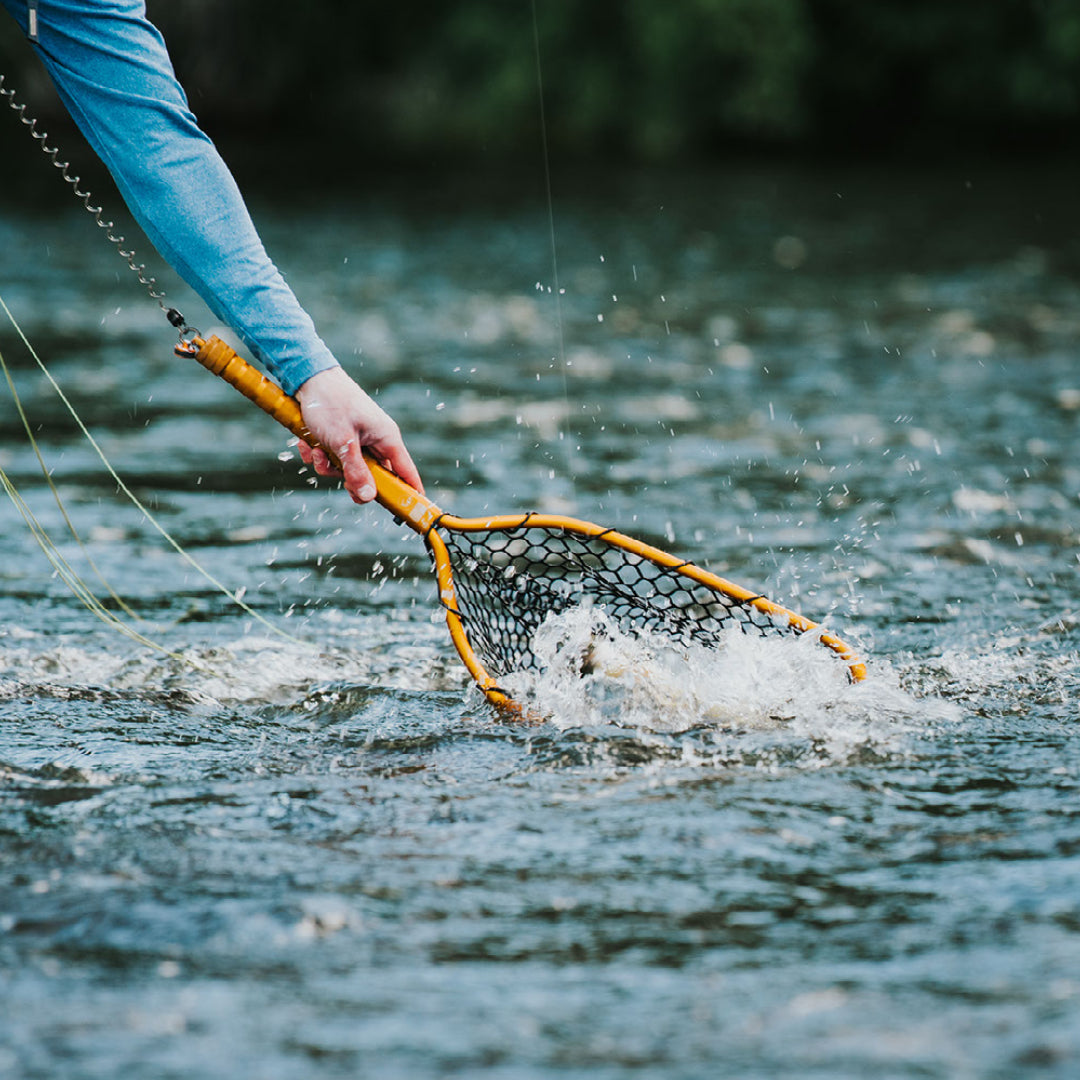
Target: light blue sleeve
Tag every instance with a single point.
(113, 73)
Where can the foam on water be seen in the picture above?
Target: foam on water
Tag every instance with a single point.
(245, 671)
(593, 673)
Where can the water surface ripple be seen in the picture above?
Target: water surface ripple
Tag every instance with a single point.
(324, 855)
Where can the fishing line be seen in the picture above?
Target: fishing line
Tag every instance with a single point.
(190, 559)
(568, 434)
(174, 317)
(64, 570)
(70, 577)
(53, 488)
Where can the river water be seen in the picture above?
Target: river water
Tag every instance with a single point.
(297, 843)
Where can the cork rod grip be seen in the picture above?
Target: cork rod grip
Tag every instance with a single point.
(216, 356)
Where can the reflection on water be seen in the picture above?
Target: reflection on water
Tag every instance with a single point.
(280, 856)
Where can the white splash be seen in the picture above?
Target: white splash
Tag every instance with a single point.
(594, 673)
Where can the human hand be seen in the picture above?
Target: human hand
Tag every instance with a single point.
(342, 417)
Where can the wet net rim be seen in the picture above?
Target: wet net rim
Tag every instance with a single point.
(578, 527)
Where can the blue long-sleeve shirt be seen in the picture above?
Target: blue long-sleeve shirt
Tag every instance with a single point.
(114, 75)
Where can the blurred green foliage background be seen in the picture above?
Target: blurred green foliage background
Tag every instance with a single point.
(642, 80)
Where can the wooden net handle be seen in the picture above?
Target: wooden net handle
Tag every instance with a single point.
(405, 502)
(417, 511)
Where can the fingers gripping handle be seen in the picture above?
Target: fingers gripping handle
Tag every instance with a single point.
(398, 497)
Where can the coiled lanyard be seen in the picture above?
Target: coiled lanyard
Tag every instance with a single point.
(176, 319)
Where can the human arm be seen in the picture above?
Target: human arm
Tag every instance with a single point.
(113, 73)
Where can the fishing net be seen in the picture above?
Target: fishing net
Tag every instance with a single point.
(501, 578)
(508, 580)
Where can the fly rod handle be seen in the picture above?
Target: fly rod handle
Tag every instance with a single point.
(223, 361)
(405, 502)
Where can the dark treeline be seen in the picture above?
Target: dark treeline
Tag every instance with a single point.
(637, 79)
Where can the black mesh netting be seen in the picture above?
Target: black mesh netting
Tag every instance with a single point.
(509, 580)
